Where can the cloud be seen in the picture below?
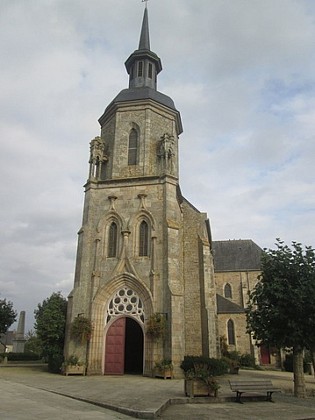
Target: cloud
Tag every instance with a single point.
(242, 75)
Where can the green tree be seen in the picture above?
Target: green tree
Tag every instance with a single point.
(281, 310)
(33, 343)
(50, 323)
(7, 317)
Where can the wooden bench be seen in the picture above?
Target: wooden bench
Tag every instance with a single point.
(241, 387)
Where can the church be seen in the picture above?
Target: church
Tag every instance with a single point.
(145, 254)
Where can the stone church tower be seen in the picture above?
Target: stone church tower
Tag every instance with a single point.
(143, 249)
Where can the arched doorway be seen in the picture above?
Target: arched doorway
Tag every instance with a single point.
(124, 347)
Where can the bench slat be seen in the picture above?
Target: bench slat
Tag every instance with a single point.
(241, 387)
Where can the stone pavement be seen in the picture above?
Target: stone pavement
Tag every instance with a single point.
(32, 393)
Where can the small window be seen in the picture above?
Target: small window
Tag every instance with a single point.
(133, 147)
(150, 71)
(144, 239)
(231, 332)
(140, 69)
(228, 291)
(112, 240)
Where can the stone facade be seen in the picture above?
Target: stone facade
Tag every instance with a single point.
(144, 252)
(237, 268)
(123, 273)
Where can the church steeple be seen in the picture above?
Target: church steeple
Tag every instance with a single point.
(144, 43)
(143, 65)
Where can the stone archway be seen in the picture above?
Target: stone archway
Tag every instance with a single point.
(123, 297)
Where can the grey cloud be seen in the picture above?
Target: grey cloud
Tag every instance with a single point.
(241, 73)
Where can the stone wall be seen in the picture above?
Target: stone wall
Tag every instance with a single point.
(242, 339)
(200, 307)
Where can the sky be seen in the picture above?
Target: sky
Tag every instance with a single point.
(242, 75)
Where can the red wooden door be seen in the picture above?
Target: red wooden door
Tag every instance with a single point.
(115, 348)
(265, 355)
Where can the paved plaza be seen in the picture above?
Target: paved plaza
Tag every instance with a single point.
(33, 393)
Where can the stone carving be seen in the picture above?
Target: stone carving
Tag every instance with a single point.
(166, 152)
(97, 157)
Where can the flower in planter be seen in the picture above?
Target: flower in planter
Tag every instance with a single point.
(204, 369)
(81, 329)
(165, 364)
(72, 360)
(156, 326)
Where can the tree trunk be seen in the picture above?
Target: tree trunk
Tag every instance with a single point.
(313, 359)
(298, 373)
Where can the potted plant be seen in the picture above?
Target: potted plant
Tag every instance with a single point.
(233, 361)
(200, 375)
(164, 369)
(81, 329)
(231, 358)
(72, 366)
(156, 326)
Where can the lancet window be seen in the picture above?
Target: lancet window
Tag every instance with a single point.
(150, 71)
(140, 69)
(228, 291)
(112, 240)
(231, 332)
(133, 147)
(144, 239)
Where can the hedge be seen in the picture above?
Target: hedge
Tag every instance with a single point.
(15, 357)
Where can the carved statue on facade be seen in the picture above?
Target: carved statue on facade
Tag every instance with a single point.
(97, 157)
(166, 152)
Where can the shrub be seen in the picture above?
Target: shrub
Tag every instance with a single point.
(18, 357)
(196, 364)
(55, 362)
(164, 364)
(247, 360)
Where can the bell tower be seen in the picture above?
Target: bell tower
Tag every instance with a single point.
(140, 127)
(133, 254)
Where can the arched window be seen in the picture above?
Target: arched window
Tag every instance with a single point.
(112, 240)
(144, 239)
(228, 291)
(133, 147)
(231, 332)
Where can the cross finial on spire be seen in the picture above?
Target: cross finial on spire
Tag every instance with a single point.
(146, 2)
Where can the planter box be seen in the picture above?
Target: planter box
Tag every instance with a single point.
(74, 370)
(234, 370)
(197, 388)
(164, 373)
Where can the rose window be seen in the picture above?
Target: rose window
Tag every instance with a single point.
(125, 302)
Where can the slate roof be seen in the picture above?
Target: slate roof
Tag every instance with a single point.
(225, 306)
(236, 255)
(144, 43)
(144, 93)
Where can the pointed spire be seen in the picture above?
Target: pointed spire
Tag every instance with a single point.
(143, 65)
(144, 43)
